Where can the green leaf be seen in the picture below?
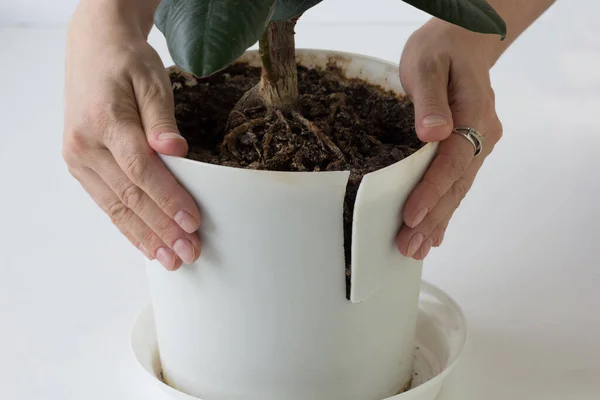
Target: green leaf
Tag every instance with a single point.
(161, 15)
(287, 9)
(474, 15)
(205, 36)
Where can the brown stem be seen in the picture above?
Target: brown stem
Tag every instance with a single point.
(279, 80)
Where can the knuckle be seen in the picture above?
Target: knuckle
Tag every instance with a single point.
(156, 90)
(454, 164)
(489, 108)
(75, 172)
(492, 96)
(131, 196)
(149, 240)
(118, 213)
(460, 189)
(458, 164)
(129, 57)
(74, 147)
(162, 123)
(163, 201)
(435, 188)
(432, 64)
(104, 115)
(137, 167)
(110, 120)
(166, 229)
(437, 238)
(497, 129)
(431, 102)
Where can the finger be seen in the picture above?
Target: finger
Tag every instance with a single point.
(440, 231)
(142, 166)
(423, 250)
(135, 242)
(185, 245)
(450, 163)
(154, 96)
(138, 233)
(411, 239)
(428, 89)
(455, 153)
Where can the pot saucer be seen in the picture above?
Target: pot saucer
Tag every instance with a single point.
(440, 339)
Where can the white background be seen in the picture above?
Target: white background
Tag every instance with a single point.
(57, 12)
(521, 255)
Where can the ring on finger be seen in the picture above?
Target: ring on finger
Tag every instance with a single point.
(474, 137)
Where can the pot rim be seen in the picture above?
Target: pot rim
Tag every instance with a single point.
(332, 54)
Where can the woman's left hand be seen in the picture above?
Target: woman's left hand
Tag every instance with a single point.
(445, 71)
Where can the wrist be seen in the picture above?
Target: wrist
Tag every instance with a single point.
(132, 18)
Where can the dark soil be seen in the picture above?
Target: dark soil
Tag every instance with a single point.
(341, 124)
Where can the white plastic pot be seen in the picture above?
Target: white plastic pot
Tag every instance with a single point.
(263, 315)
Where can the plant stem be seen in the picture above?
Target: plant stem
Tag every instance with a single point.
(279, 79)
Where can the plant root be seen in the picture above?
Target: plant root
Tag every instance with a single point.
(321, 137)
(269, 135)
(229, 141)
(251, 111)
(249, 103)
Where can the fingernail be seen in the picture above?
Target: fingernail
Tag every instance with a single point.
(146, 252)
(420, 217)
(427, 247)
(169, 135)
(431, 121)
(186, 221)
(166, 258)
(415, 243)
(184, 250)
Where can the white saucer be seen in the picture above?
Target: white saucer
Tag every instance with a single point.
(441, 337)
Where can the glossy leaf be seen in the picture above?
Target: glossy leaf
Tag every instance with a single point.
(474, 15)
(161, 15)
(205, 36)
(287, 9)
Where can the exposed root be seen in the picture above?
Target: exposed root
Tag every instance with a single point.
(269, 135)
(285, 121)
(250, 101)
(373, 140)
(257, 150)
(236, 118)
(267, 140)
(253, 105)
(279, 158)
(298, 162)
(321, 137)
(334, 164)
(229, 140)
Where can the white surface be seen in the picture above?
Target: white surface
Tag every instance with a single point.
(441, 334)
(521, 255)
(54, 12)
(355, 12)
(270, 320)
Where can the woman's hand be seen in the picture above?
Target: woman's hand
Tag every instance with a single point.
(119, 112)
(445, 70)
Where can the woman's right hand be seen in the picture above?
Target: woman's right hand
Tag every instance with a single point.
(119, 113)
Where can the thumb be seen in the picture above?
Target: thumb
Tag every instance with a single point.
(157, 112)
(428, 90)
